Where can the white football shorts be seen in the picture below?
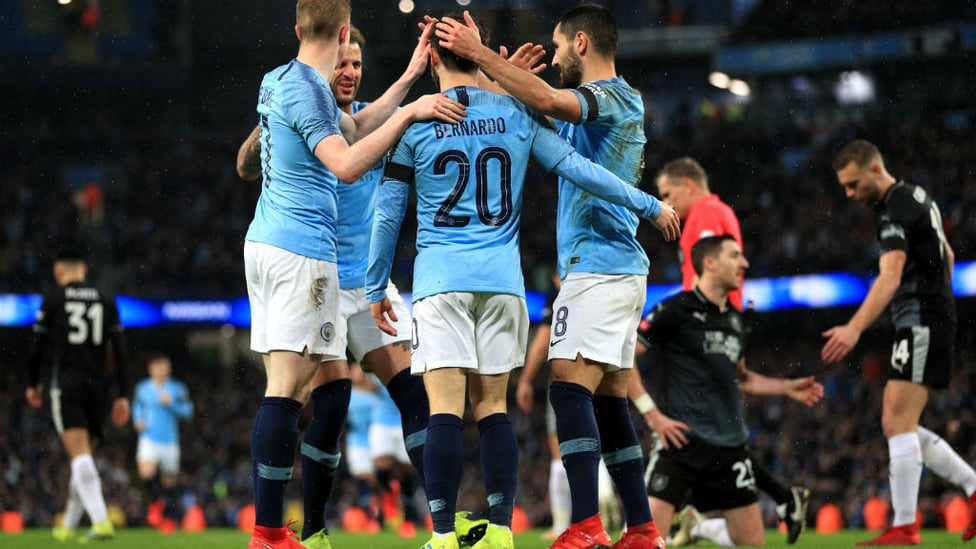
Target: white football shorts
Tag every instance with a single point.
(356, 329)
(165, 456)
(596, 316)
(486, 332)
(387, 440)
(294, 301)
(358, 460)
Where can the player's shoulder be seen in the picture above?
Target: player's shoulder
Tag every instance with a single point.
(904, 201)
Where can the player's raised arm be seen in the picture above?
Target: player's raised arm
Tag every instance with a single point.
(380, 110)
(350, 162)
(464, 40)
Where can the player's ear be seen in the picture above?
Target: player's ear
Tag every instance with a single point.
(582, 42)
(298, 33)
(344, 35)
(435, 59)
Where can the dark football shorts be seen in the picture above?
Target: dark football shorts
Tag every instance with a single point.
(79, 405)
(923, 355)
(718, 477)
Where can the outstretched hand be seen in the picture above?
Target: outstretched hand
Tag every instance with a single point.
(805, 390)
(668, 222)
(840, 341)
(461, 38)
(527, 57)
(381, 310)
(421, 53)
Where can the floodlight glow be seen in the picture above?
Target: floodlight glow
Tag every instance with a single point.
(854, 88)
(740, 88)
(463, 2)
(64, 2)
(406, 6)
(719, 79)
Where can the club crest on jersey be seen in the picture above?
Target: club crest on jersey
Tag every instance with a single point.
(327, 331)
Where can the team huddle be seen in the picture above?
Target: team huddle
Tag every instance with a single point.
(337, 175)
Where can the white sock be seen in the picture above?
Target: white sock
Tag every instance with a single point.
(89, 487)
(939, 456)
(715, 530)
(74, 510)
(605, 486)
(559, 497)
(905, 472)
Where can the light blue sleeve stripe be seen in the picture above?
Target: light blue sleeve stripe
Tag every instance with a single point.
(329, 460)
(415, 440)
(620, 456)
(578, 445)
(274, 473)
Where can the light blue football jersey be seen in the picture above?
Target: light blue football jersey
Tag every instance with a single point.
(593, 235)
(469, 180)
(162, 420)
(297, 207)
(356, 205)
(361, 403)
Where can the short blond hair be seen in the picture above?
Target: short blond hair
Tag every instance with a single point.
(321, 19)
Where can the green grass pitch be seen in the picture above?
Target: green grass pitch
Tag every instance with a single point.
(136, 538)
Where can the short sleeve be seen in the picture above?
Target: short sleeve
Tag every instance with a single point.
(312, 110)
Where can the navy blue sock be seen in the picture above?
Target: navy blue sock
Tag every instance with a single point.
(320, 450)
(499, 465)
(579, 444)
(623, 455)
(410, 396)
(443, 459)
(273, 442)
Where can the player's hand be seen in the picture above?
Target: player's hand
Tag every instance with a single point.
(840, 341)
(673, 433)
(380, 311)
(120, 411)
(524, 396)
(462, 39)
(34, 397)
(526, 57)
(165, 398)
(805, 390)
(439, 107)
(421, 53)
(140, 426)
(668, 222)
